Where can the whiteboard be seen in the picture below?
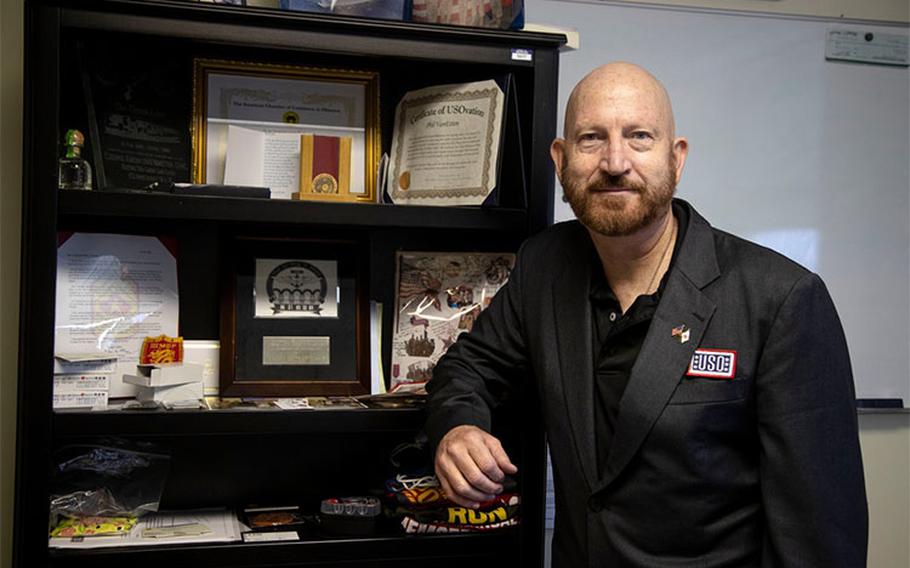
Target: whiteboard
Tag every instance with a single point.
(807, 156)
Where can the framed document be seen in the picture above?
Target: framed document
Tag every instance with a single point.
(446, 143)
(304, 132)
(438, 297)
(294, 318)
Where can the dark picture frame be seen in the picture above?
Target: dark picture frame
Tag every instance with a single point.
(314, 339)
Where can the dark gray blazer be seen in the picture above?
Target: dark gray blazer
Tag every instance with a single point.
(758, 471)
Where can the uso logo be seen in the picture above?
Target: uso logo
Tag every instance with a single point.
(712, 363)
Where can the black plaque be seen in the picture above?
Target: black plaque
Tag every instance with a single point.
(138, 112)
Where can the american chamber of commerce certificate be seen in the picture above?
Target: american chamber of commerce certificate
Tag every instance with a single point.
(285, 100)
(445, 145)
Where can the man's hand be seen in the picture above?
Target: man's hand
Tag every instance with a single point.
(470, 465)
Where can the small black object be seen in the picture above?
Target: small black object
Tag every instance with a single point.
(869, 36)
(350, 515)
(879, 403)
(209, 189)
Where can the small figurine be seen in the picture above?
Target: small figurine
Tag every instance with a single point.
(74, 171)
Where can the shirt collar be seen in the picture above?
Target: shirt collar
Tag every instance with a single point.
(600, 289)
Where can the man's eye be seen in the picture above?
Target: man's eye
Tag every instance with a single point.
(641, 135)
(589, 141)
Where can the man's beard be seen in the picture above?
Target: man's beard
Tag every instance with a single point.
(608, 215)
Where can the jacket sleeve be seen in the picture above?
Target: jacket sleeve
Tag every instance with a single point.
(481, 367)
(810, 464)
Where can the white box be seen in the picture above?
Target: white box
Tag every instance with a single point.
(84, 363)
(172, 393)
(166, 374)
(204, 352)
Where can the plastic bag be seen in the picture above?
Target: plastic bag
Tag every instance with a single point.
(111, 478)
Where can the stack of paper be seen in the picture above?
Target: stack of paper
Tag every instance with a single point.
(209, 525)
(82, 380)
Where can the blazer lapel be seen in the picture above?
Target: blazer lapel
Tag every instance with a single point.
(576, 362)
(664, 358)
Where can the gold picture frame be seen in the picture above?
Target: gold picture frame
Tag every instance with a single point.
(266, 124)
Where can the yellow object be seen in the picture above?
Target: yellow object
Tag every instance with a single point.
(92, 526)
(161, 349)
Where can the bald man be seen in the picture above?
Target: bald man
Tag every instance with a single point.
(695, 387)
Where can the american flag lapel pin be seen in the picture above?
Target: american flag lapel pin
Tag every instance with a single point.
(681, 333)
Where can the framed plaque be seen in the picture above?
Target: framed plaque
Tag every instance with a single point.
(303, 132)
(294, 318)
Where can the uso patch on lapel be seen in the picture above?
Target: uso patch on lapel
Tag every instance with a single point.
(713, 364)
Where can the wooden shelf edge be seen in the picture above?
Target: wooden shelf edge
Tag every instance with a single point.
(402, 546)
(73, 206)
(69, 424)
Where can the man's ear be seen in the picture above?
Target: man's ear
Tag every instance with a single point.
(558, 154)
(680, 151)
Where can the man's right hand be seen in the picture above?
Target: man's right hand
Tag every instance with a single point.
(470, 465)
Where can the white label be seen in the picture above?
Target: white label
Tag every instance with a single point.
(867, 46)
(80, 383)
(270, 536)
(91, 399)
(283, 350)
(519, 54)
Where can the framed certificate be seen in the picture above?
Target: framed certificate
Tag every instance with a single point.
(294, 318)
(303, 132)
(446, 144)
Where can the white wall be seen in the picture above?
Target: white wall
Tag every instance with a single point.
(884, 10)
(11, 22)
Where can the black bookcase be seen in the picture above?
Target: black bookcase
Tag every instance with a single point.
(234, 458)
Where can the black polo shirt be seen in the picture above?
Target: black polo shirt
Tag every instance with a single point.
(618, 338)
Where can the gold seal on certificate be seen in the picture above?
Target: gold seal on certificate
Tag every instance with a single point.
(445, 146)
(404, 181)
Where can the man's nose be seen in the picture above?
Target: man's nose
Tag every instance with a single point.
(613, 159)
